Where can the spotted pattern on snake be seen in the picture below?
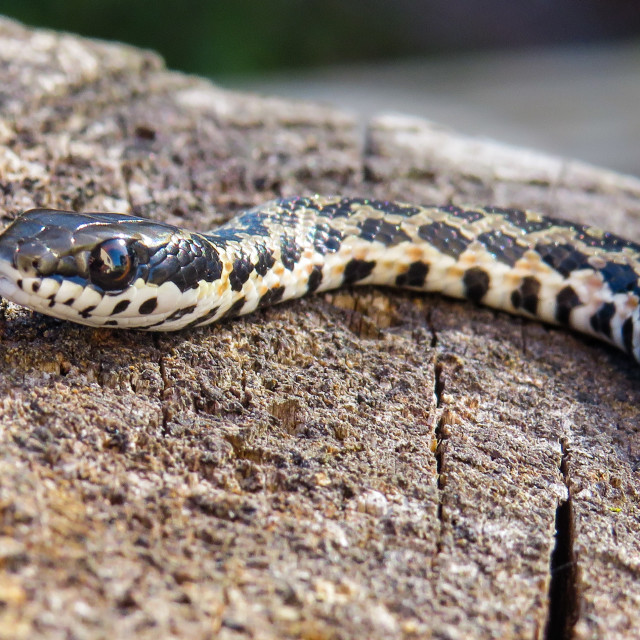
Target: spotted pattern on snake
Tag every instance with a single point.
(117, 270)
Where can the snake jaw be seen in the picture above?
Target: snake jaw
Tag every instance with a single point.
(8, 287)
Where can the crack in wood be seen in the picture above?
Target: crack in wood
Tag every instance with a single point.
(164, 429)
(438, 389)
(432, 329)
(563, 591)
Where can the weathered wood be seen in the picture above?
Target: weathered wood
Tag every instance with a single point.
(368, 463)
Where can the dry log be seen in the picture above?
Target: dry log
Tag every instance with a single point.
(364, 464)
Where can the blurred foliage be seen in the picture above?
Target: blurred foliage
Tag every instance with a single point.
(232, 37)
(235, 37)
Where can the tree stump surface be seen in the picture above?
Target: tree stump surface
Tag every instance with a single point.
(363, 464)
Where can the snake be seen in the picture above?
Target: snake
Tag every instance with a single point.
(123, 271)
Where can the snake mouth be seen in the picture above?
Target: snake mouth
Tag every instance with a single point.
(11, 291)
(8, 289)
(9, 278)
(86, 305)
(44, 295)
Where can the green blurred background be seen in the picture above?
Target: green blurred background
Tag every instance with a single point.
(557, 75)
(241, 37)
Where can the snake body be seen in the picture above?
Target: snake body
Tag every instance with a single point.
(118, 270)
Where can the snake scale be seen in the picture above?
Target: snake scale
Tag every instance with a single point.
(117, 270)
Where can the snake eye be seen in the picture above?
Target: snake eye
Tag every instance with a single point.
(112, 265)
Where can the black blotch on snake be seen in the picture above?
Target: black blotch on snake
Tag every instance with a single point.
(476, 283)
(148, 306)
(315, 278)
(356, 270)
(415, 275)
(240, 273)
(527, 295)
(601, 319)
(119, 308)
(566, 300)
(444, 237)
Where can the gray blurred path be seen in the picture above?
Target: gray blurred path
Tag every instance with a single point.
(582, 103)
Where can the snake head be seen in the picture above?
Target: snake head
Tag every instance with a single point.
(95, 268)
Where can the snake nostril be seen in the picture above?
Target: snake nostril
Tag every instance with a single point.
(25, 264)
